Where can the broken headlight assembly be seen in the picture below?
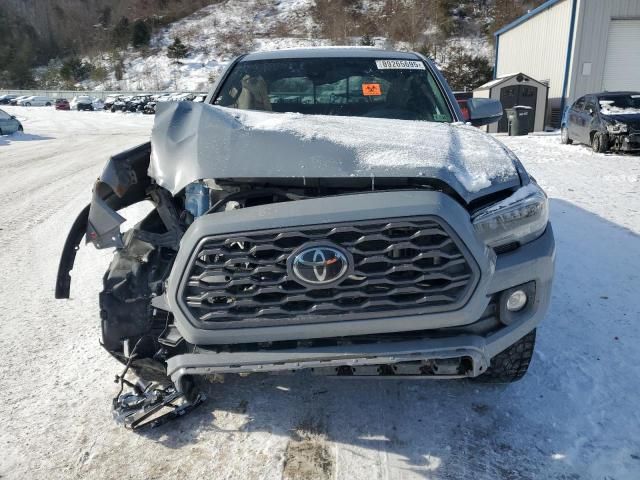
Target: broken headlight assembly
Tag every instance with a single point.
(520, 218)
(617, 128)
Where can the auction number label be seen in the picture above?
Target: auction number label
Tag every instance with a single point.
(399, 65)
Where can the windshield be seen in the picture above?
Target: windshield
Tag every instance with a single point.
(363, 87)
(629, 103)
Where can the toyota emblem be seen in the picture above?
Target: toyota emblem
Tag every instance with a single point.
(319, 265)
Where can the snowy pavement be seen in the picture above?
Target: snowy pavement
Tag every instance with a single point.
(573, 416)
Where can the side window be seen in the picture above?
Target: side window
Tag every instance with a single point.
(579, 105)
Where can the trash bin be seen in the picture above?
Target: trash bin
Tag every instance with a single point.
(519, 120)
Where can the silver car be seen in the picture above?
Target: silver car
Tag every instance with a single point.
(9, 124)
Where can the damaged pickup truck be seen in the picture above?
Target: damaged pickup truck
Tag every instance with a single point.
(324, 209)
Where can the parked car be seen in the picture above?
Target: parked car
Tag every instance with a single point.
(606, 121)
(137, 103)
(108, 102)
(150, 108)
(121, 104)
(36, 101)
(9, 124)
(389, 239)
(62, 104)
(462, 98)
(182, 97)
(82, 102)
(15, 100)
(6, 99)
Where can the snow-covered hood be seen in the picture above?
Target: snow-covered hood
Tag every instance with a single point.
(193, 141)
(632, 118)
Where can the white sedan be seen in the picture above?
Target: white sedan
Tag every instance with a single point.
(36, 101)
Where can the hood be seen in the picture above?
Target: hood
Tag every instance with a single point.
(194, 141)
(631, 118)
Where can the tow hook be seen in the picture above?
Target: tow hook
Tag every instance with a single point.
(151, 405)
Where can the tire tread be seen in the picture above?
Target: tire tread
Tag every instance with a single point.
(511, 364)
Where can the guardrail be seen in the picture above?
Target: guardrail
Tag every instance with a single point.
(102, 94)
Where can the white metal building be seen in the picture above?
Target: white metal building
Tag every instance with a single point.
(576, 47)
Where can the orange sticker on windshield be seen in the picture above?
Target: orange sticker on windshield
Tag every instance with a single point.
(371, 89)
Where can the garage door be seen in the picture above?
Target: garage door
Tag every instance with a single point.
(622, 64)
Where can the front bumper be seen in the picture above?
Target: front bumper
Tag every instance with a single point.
(631, 143)
(626, 142)
(533, 262)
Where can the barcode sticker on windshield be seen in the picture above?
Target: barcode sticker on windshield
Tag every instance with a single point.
(399, 65)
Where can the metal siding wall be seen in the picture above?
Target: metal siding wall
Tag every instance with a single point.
(592, 41)
(538, 47)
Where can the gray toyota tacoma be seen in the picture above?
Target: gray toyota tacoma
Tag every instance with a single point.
(323, 209)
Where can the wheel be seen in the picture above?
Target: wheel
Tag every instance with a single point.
(27, 104)
(48, 104)
(20, 129)
(599, 142)
(511, 364)
(564, 136)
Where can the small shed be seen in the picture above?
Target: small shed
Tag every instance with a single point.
(514, 90)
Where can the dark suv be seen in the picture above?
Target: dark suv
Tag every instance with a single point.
(606, 121)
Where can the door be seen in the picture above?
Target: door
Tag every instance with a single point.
(518, 95)
(7, 124)
(590, 116)
(622, 61)
(574, 120)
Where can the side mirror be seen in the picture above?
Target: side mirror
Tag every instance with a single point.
(484, 111)
(591, 111)
(13, 116)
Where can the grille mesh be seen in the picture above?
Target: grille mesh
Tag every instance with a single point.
(399, 265)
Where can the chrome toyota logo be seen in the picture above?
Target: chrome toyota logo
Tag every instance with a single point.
(319, 264)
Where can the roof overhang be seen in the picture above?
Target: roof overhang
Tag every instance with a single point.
(545, 6)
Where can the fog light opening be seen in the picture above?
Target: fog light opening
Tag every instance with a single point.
(516, 301)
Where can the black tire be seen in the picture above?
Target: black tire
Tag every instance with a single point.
(600, 142)
(20, 129)
(48, 104)
(511, 364)
(564, 136)
(27, 104)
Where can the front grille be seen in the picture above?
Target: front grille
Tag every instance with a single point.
(401, 266)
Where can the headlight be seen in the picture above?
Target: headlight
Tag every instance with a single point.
(522, 217)
(617, 128)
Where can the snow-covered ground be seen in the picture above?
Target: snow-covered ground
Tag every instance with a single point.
(574, 415)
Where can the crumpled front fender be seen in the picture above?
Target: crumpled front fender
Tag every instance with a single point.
(123, 182)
